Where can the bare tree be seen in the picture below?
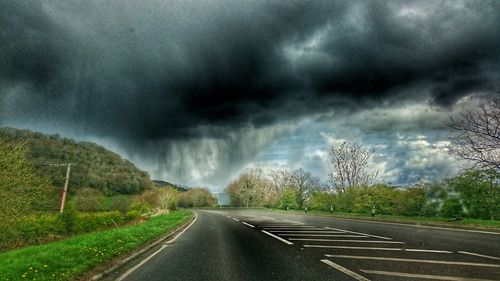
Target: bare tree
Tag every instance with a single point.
(350, 166)
(279, 181)
(304, 185)
(477, 138)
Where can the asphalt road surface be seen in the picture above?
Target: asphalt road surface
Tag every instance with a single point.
(258, 245)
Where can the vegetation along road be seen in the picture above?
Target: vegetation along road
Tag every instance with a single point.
(259, 245)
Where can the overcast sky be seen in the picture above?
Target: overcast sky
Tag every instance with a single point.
(194, 91)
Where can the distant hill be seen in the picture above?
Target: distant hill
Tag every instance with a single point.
(95, 166)
(160, 183)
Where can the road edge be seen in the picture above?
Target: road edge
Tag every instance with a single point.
(121, 261)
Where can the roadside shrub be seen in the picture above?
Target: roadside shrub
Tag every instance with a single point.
(452, 208)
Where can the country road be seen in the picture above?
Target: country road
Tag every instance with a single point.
(258, 245)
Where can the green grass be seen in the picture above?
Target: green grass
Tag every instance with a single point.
(437, 221)
(67, 259)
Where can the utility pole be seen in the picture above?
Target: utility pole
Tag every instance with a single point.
(65, 189)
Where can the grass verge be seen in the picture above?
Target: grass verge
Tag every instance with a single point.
(67, 259)
(466, 223)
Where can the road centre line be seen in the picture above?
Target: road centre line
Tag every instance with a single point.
(421, 276)
(478, 255)
(346, 240)
(236, 219)
(374, 236)
(345, 270)
(377, 249)
(277, 237)
(128, 272)
(324, 235)
(413, 260)
(252, 226)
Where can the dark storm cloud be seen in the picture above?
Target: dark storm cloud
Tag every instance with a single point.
(185, 69)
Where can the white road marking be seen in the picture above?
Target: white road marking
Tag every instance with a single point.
(421, 276)
(228, 216)
(478, 255)
(277, 237)
(294, 222)
(414, 225)
(377, 249)
(374, 236)
(345, 240)
(267, 218)
(324, 235)
(236, 219)
(414, 260)
(306, 231)
(288, 226)
(248, 224)
(128, 272)
(345, 270)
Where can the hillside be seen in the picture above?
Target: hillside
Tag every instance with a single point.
(95, 166)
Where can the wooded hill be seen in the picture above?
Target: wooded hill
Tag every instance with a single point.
(95, 166)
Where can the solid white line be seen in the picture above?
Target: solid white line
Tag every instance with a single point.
(306, 231)
(348, 241)
(293, 222)
(268, 218)
(414, 260)
(248, 224)
(236, 219)
(324, 235)
(422, 276)
(413, 225)
(374, 236)
(288, 226)
(279, 238)
(128, 272)
(345, 270)
(377, 249)
(478, 255)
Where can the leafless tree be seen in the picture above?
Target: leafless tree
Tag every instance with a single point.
(279, 181)
(304, 185)
(477, 138)
(350, 166)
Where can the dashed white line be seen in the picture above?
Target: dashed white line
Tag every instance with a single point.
(346, 240)
(479, 255)
(377, 249)
(374, 236)
(421, 276)
(252, 226)
(236, 219)
(277, 237)
(414, 260)
(345, 270)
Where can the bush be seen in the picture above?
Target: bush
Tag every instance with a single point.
(452, 208)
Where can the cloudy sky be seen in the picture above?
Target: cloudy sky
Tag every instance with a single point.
(193, 91)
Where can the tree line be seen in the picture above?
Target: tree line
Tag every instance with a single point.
(353, 187)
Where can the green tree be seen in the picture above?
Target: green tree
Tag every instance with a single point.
(289, 199)
(480, 192)
(22, 191)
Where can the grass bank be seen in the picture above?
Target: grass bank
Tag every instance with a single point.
(466, 223)
(67, 259)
